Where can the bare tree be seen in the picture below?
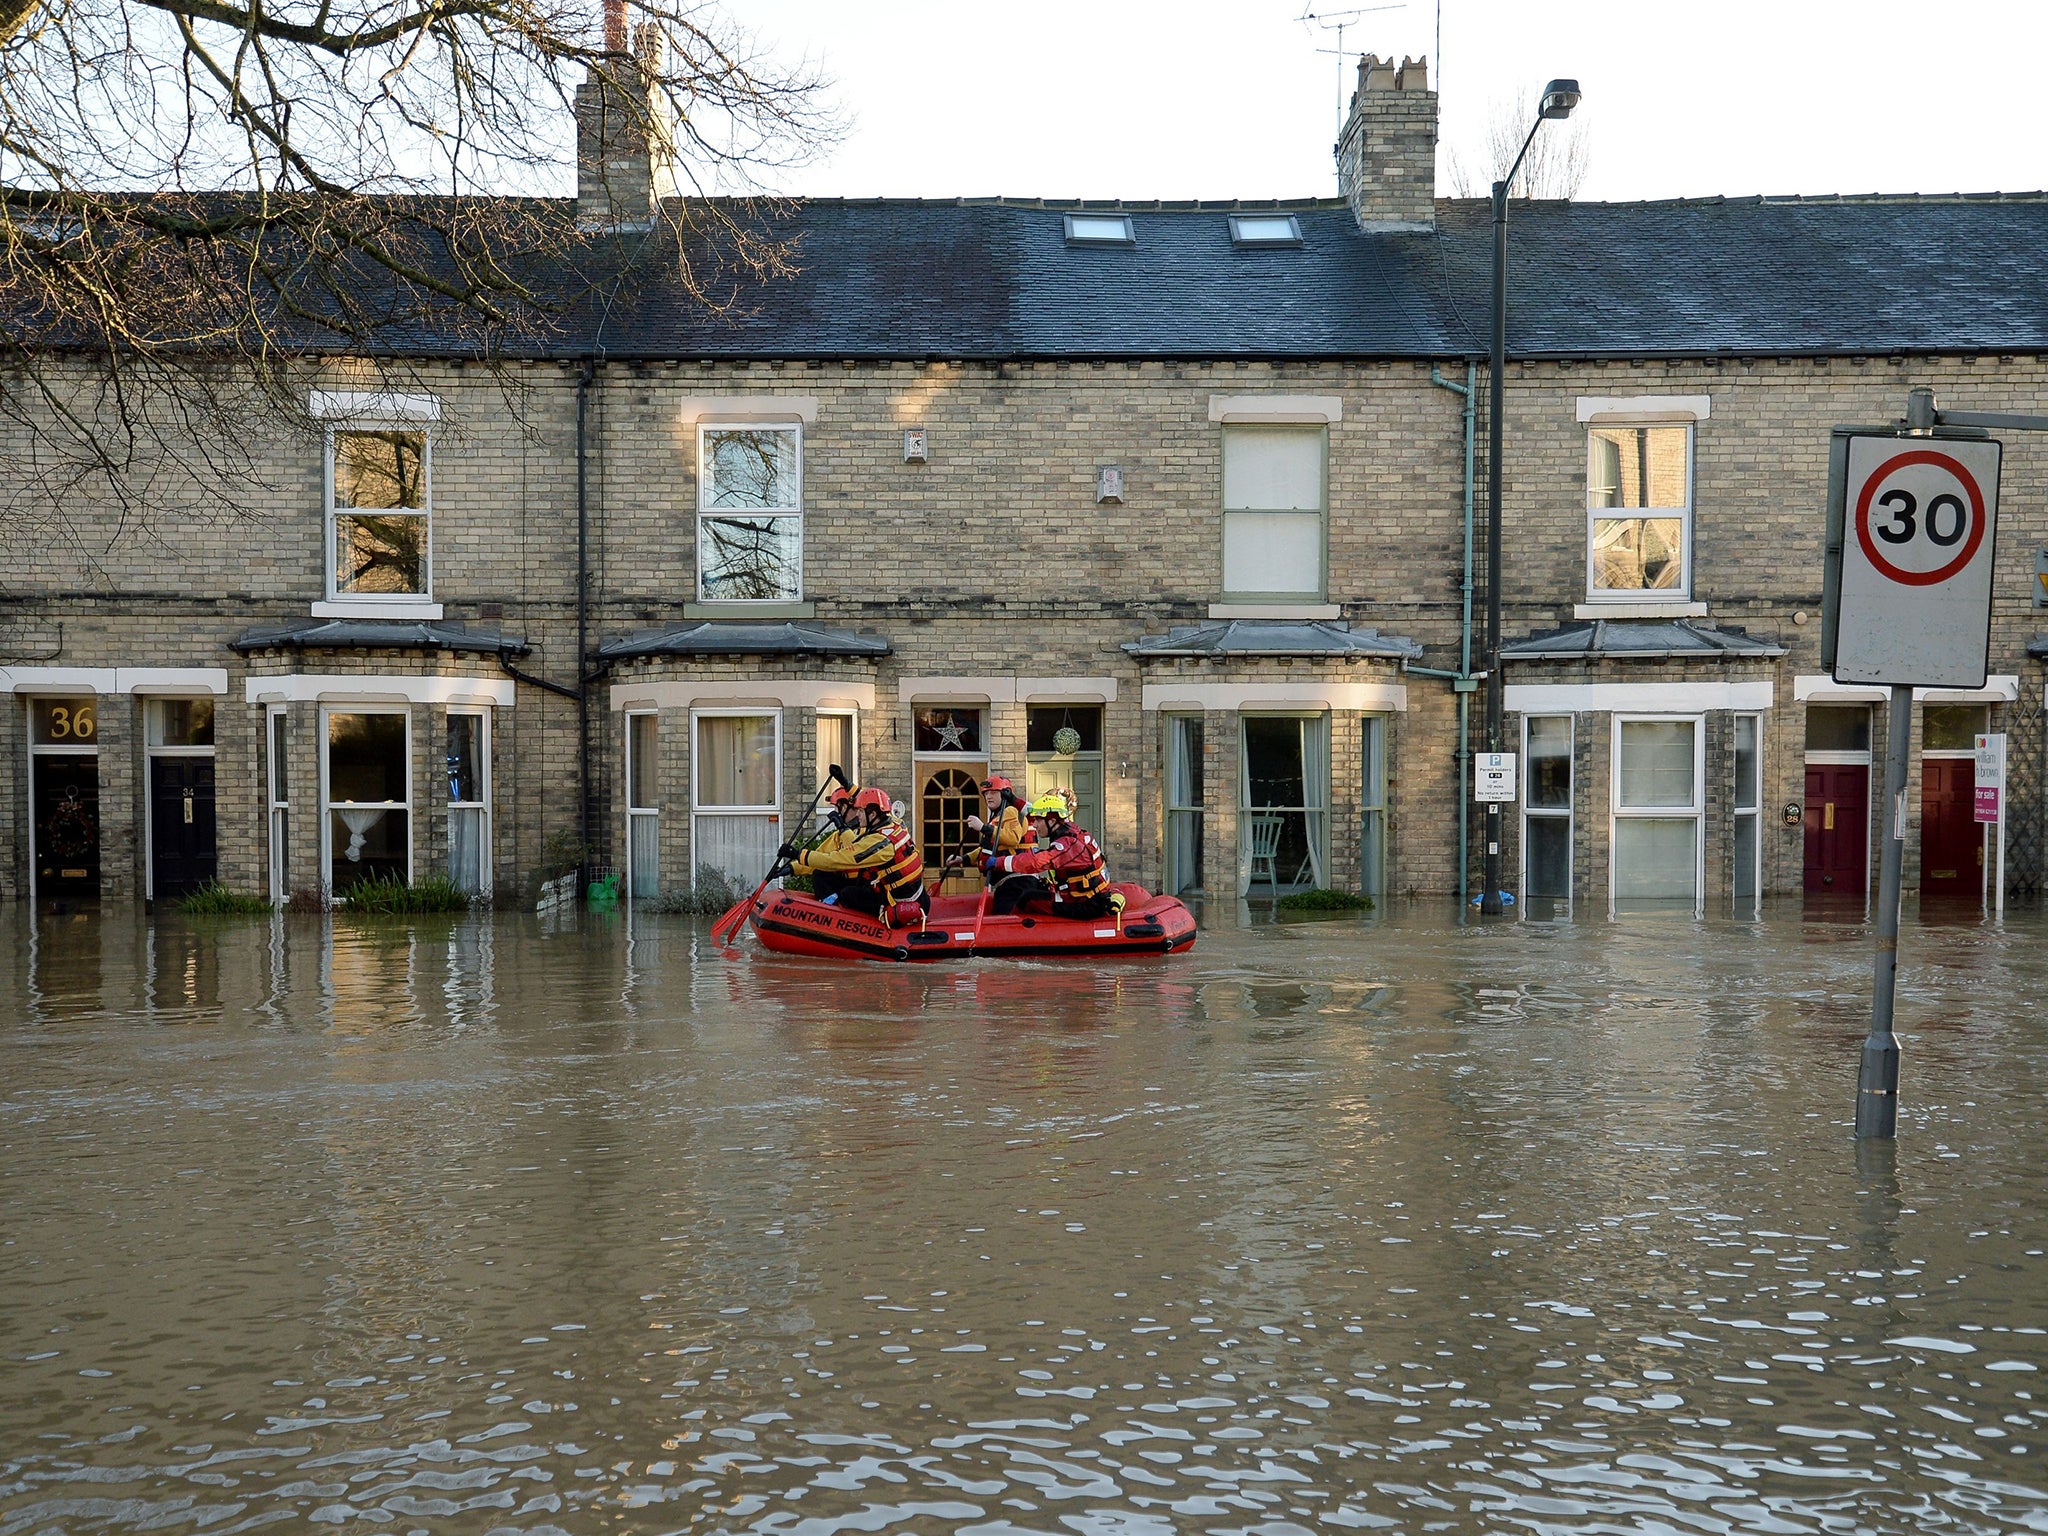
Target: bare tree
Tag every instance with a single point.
(199, 196)
(1555, 166)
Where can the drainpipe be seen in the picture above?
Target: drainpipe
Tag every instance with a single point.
(1462, 682)
(583, 381)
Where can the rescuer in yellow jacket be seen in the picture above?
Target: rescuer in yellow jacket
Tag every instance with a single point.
(879, 860)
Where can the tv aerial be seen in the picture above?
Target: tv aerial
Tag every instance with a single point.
(1337, 21)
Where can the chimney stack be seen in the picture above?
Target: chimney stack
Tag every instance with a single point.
(625, 140)
(1386, 155)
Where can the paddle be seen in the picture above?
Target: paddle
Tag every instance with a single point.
(729, 921)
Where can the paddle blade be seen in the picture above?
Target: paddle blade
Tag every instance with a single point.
(838, 775)
(730, 919)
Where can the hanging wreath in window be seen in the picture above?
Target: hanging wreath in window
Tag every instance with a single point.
(1066, 741)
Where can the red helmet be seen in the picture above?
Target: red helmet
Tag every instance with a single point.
(995, 782)
(872, 799)
(841, 796)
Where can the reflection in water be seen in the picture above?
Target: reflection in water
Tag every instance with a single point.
(485, 1223)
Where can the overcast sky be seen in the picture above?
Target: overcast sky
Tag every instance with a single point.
(1144, 99)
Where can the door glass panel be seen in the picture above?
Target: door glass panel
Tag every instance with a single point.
(1745, 762)
(1837, 728)
(1183, 803)
(1550, 856)
(1952, 727)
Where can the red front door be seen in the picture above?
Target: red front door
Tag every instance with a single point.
(1837, 828)
(1951, 842)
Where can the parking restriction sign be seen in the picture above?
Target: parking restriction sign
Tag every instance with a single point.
(1915, 542)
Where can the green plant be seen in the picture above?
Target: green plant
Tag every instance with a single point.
(385, 894)
(215, 900)
(1323, 901)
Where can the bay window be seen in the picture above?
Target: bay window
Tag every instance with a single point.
(366, 771)
(736, 793)
(1656, 845)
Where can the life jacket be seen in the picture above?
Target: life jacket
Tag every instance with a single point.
(1073, 863)
(1007, 831)
(902, 878)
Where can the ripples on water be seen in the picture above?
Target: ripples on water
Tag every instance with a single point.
(1387, 1227)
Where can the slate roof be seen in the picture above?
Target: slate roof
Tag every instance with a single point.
(1639, 639)
(733, 638)
(1728, 277)
(1273, 637)
(375, 634)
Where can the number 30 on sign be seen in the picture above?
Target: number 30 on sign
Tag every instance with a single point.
(1915, 538)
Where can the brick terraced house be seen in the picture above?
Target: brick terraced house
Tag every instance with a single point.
(1170, 503)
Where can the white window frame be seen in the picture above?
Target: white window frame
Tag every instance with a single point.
(277, 802)
(150, 705)
(1320, 591)
(481, 714)
(383, 604)
(1092, 228)
(1244, 225)
(706, 426)
(1737, 812)
(772, 810)
(1618, 813)
(636, 812)
(1178, 813)
(327, 807)
(1569, 815)
(1682, 593)
(852, 719)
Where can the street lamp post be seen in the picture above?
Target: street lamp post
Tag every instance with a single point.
(1559, 97)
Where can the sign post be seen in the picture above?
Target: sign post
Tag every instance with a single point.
(1912, 523)
(1990, 812)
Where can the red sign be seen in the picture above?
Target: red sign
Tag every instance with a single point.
(1987, 803)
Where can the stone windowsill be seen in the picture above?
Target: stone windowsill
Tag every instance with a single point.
(750, 610)
(370, 609)
(1299, 612)
(1677, 609)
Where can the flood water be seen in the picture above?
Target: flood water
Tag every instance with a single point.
(1387, 1225)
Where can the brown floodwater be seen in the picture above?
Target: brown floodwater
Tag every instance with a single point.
(1388, 1225)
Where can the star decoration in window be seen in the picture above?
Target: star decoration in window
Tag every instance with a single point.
(950, 736)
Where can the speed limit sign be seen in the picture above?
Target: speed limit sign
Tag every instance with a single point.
(1918, 521)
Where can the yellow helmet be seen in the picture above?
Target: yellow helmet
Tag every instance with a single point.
(1051, 803)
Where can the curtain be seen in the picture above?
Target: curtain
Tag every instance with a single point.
(643, 853)
(739, 847)
(1315, 790)
(465, 848)
(1244, 811)
(1183, 822)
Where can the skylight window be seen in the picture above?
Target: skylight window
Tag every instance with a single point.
(1099, 229)
(1265, 229)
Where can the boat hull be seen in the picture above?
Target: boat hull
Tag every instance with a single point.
(792, 923)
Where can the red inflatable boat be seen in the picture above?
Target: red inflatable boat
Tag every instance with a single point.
(791, 923)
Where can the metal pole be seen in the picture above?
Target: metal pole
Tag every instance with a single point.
(1877, 1077)
(1496, 698)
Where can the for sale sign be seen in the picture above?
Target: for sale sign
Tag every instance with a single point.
(1990, 777)
(1912, 540)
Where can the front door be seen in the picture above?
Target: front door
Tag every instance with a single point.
(1951, 842)
(181, 850)
(67, 824)
(1837, 821)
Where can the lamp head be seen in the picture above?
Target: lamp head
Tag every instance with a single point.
(1559, 97)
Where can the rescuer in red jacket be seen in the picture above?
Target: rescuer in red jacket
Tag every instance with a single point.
(1076, 884)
